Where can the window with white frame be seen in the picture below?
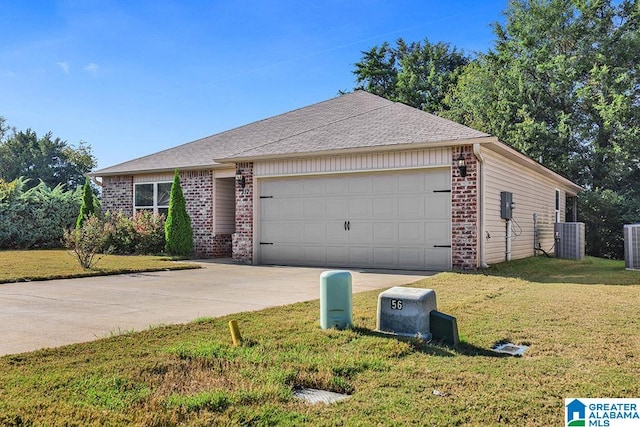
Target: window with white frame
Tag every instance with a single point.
(557, 205)
(152, 196)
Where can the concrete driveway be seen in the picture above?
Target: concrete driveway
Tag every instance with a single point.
(35, 315)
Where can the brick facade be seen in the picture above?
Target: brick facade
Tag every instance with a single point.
(464, 211)
(222, 244)
(197, 187)
(117, 194)
(243, 237)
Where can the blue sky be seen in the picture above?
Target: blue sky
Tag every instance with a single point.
(135, 77)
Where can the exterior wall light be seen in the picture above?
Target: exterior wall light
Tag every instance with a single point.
(240, 179)
(462, 165)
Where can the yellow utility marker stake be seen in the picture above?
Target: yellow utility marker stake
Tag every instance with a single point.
(235, 333)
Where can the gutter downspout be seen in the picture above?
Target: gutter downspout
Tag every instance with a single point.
(480, 226)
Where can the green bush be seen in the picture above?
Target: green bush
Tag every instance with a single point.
(35, 218)
(178, 231)
(143, 234)
(88, 206)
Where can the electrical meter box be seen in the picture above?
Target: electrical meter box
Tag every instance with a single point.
(335, 300)
(506, 205)
(405, 311)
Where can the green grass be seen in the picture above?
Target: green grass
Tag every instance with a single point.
(59, 264)
(583, 338)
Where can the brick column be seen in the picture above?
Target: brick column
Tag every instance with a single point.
(243, 237)
(464, 211)
(197, 187)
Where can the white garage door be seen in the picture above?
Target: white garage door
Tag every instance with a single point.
(397, 220)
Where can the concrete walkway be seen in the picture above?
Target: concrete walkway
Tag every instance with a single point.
(35, 315)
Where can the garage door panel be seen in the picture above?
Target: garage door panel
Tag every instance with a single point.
(336, 208)
(385, 257)
(314, 232)
(360, 208)
(411, 258)
(291, 209)
(385, 208)
(359, 184)
(384, 220)
(336, 232)
(438, 233)
(411, 182)
(314, 208)
(360, 232)
(439, 258)
(410, 207)
(270, 210)
(360, 256)
(385, 232)
(336, 255)
(314, 255)
(411, 232)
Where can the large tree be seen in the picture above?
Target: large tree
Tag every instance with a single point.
(52, 160)
(417, 74)
(563, 84)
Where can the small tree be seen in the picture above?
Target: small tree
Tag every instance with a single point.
(86, 241)
(88, 206)
(177, 228)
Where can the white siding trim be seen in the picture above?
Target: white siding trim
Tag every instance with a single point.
(370, 162)
(157, 177)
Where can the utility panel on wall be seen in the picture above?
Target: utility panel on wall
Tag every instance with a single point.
(506, 205)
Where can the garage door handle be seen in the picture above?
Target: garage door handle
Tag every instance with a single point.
(345, 226)
(441, 246)
(348, 225)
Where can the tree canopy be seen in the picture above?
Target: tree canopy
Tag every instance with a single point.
(47, 158)
(561, 83)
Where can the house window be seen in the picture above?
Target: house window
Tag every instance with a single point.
(152, 196)
(557, 205)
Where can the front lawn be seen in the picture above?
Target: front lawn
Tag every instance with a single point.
(58, 264)
(583, 339)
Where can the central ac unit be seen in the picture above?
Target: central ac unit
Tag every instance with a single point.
(569, 238)
(632, 246)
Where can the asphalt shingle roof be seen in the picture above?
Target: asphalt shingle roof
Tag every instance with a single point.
(351, 121)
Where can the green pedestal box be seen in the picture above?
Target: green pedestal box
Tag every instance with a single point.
(335, 300)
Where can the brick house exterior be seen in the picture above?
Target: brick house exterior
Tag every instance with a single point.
(351, 139)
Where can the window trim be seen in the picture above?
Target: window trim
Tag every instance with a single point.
(154, 207)
(557, 205)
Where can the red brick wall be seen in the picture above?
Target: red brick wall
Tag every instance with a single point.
(243, 237)
(222, 244)
(117, 194)
(464, 211)
(197, 187)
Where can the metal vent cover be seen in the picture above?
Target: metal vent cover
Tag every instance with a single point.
(569, 238)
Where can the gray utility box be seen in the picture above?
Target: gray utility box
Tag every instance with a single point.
(335, 300)
(405, 311)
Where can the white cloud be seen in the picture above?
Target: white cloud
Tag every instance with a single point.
(65, 66)
(92, 68)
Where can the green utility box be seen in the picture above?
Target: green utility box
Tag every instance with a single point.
(335, 300)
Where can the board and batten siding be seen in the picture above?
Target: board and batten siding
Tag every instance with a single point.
(354, 162)
(532, 193)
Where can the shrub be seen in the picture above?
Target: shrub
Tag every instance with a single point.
(178, 231)
(88, 206)
(148, 234)
(143, 234)
(35, 218)
(86, 241)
